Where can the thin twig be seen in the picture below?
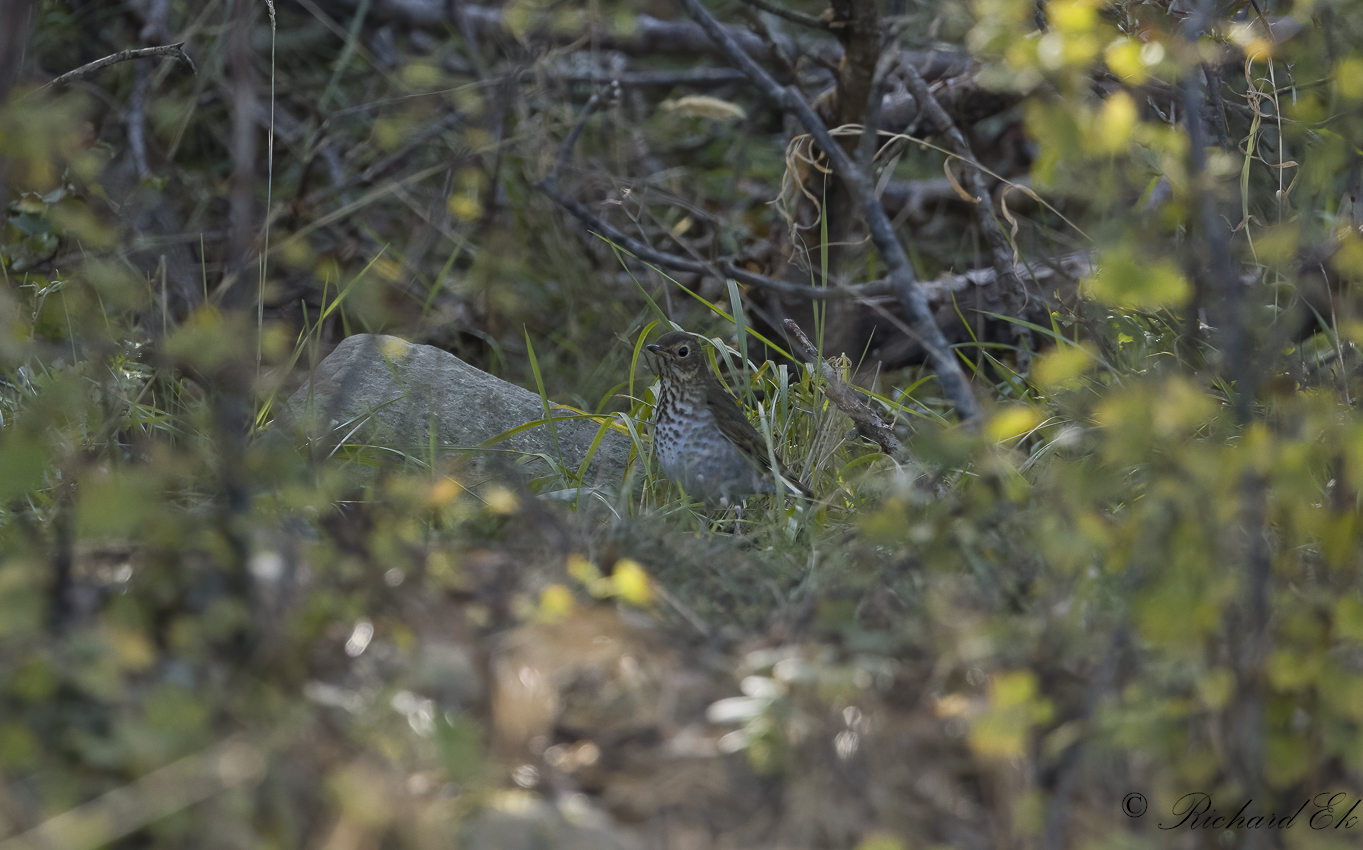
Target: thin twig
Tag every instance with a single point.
(1004, 258)
(137, 121)
(1004, 254)
(375, 170)
(779, 53)
(565, 151)
(869, 423)
(866, 146)
(174, 50)
(153, 31)
(902, 279)
(721, 268)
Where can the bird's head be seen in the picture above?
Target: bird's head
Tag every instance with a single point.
(677, 354)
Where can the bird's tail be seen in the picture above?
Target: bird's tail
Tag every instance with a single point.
(795, 484)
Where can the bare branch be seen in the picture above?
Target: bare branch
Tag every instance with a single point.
(565, 151)
(417, 142)
(1002, 252)
(868, 422)
(153, 31)
(722, 268)
(866, 147)
(725, 267)
(175, 50)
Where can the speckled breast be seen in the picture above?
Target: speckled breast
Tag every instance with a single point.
(694, 453)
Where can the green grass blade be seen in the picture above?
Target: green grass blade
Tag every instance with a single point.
(539, 385)
(638, 348)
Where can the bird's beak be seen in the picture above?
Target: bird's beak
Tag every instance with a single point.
(655, 349)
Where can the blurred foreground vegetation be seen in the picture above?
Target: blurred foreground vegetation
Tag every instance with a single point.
(1139, 572)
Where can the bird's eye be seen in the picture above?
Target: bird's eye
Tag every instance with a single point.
(683, 351)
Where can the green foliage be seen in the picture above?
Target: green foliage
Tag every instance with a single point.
(1143, 569)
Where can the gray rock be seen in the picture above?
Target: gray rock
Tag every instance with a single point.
(392, 392)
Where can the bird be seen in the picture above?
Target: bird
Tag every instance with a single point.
(701, 437)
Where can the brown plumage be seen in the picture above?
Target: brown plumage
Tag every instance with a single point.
(701, 437)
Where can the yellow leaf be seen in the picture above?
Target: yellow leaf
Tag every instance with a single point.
(422, 75)
(1012, 421)
(297, 255)
(880, 841)
(1072, 16)
(518, 16)
(1349, 258)
(131, 648)
(1277, 246)
(19, 748)
(464, 207)
(1123, 57)
(582, 569)
(1125, 280)
(1216, 688)
(1288, 671)
(390, 133)
(1015, 707)
(501, 500)
(1349, 618)
(443, 492)
(1182, 406)
(1008, 690)
(556, 603)
(1116, 123)
(632, 584)
(1062, 367)
(1349, 78)
(1259, 50)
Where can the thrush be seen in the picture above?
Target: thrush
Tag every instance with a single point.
(701, 437)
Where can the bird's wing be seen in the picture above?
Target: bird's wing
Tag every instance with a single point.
(735, 425)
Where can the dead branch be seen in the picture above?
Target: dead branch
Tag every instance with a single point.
(174, 50)
(377, 169)
(722, 268)
(1003, 254)
(153, 31)
(868, 422)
